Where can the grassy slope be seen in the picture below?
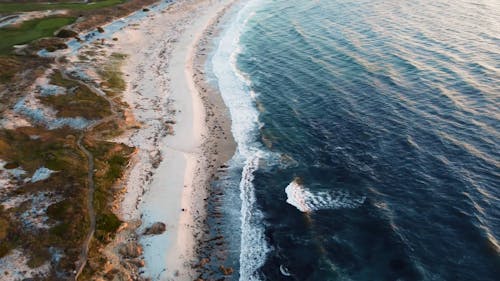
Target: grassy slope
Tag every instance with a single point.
(31, 30)
(23, 7)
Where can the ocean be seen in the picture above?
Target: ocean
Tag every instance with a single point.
(368, 140)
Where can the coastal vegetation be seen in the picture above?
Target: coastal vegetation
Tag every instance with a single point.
(31, 30)
(66, 220)
(8, 68)
(110, 161)
(48, 219)
(79, 102)
(111, 74)
(5, 228)
(68, 223)
(24, 6)
(90, 15)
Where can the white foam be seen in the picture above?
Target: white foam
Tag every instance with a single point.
(234, 88)
(253, 244)
(306, 200)
(284, 270)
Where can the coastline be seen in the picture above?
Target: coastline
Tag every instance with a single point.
(159, 140)
(183, 138)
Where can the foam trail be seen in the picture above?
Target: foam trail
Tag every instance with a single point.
(307, 201)
(245, 123)
(253, 246)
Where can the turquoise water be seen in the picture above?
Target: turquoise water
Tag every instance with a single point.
(368, 140)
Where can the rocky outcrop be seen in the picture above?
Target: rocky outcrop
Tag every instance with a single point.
(137, 262)
(155, 229)
(130, 250)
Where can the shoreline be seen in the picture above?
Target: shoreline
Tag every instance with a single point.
(201, 141)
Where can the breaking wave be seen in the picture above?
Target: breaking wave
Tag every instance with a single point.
(307, 201)
(239, 99)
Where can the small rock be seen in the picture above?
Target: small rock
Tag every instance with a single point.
(226, 270)
(11, 165)
(202, 263)
(66, 33)
(137, 262)
(155, 229)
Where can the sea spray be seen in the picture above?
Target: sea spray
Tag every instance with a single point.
(306, 200)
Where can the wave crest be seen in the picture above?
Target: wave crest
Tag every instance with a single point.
(307, 201)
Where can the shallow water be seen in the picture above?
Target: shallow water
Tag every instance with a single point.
(367, 139)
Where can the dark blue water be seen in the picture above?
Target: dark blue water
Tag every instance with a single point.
(368, 139)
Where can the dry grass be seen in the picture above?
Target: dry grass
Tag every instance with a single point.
(80, 101)
(111, 160)
(112, 75)
(92, 19)
(9, 67)
(57, 151)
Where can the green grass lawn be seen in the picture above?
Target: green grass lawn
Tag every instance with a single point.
(23, 7)
(30, 30)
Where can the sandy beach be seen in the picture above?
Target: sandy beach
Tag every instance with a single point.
(197, 140)
(184, 133)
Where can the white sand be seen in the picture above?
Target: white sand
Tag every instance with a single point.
(159, 70)
(15, 267)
